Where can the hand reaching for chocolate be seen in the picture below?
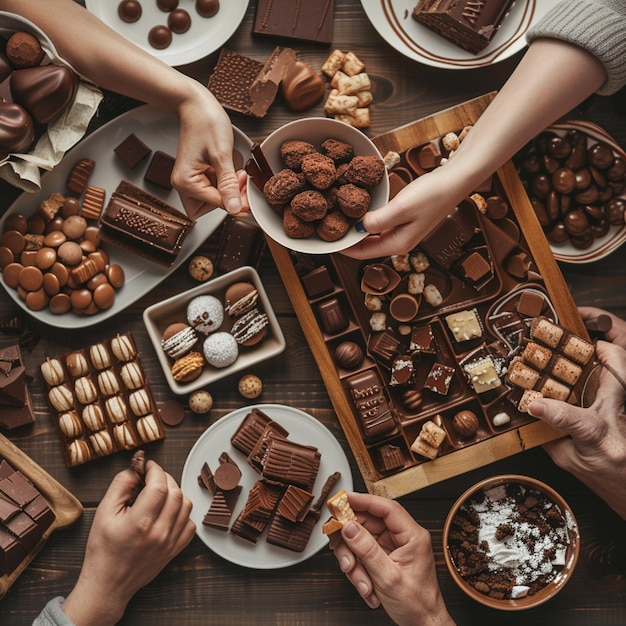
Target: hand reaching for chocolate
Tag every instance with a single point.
(595, 452)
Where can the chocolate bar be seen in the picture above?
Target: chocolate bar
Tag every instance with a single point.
(469, 24)
(144, 224)
(306, 21)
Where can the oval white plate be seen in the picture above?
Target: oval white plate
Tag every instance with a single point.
(206, 35)
(159, 131)
(302, 428)
(392, 19)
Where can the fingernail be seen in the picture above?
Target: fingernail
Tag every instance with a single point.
(359, 227)
(363, 589)
(233, 206)
(344, 564)
(351, 530)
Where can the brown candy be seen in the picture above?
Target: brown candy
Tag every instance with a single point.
(301, 87)
(465, 424)
(16, 128)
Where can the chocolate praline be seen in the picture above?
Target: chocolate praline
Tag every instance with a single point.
(207, 8)
(179, 21)
(167, 5)
(349, 355)
(160, 37)
(129, 11)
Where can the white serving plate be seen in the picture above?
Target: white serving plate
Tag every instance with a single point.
(392, 19)
(206, 35)
(302, 428)
(159, 131)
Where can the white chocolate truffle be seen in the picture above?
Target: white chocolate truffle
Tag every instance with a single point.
(69, 425)
(220, 349)
(132, 376)
(61, 398)
(205, 314)
(85, 391)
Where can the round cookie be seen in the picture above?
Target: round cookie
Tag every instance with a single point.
(250, 386)
(205, 314)
(201, 268)
(250, 328)
(178, 339)
(200, 402)
(220, 349)
(240, 298)
(188, 367)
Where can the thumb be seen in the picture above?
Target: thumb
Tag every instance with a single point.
(385, 218)
(365, 548)
(577, 422)
(228, 186)
(120, 490)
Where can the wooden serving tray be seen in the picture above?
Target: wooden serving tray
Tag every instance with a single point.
(67, 509)
(483, 452)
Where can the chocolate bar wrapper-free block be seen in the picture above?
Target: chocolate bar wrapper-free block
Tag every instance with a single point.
(144, 224)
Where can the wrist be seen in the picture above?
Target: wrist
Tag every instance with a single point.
(88, 606)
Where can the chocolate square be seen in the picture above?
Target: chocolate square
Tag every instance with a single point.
(11, 552)
(132, 151)
(439, 378)
(306, 21)
(241, 243)
(160, 169)
(318, 282)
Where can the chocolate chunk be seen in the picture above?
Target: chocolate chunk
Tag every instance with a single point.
(11, 552)
(221, 510)
(391, 457)
(132, 151)
(384, 345)
(423, 340)
(318, 282)
(290, 535)
(291, 463)
(79, 175)
(160, 169)
(446, 243)
(367, 392)
(241, 243)
(469, 25)
(295, 504)
(307, 21)
(439, 378)
(252, 428)
(333, 318)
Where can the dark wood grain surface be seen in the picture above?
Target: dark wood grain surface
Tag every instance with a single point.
(200, 588)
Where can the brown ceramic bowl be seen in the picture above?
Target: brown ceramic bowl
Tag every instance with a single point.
(564, 571)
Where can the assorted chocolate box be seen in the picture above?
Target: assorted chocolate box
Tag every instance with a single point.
(441, 349)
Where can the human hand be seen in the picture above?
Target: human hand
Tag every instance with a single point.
(204, 174)
(616, 334)
(400, 225)
(595, 452)
(129, 545)
(388, 557)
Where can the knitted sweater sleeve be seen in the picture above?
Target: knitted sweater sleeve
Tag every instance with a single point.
(598, 26)
(52, 614)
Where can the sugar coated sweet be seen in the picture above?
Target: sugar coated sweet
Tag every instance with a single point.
(220, 349)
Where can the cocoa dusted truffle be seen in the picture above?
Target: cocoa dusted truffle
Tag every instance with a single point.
(365, 171)
(293, 151)
(24, 50)
(338, 151)
(333, 227)
(295, 227)
(282, 187)
(319, 170)
(310, 205)
(353, 201)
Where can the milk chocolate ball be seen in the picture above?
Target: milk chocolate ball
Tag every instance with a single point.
(465, 424)
(129, 11)
(207, 8)
(160, 37)
(179, 21)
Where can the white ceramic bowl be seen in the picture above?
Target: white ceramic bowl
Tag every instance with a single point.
(158, 316)
(315, 130)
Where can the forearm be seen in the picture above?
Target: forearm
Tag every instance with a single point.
(551, 80)
(102, 55)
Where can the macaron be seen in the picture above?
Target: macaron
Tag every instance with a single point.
(240, 298)
(220, 349)
(178, 339)
(188, 367)
(205, 314)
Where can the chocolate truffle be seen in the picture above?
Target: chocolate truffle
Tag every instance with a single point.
(160, 37)
(129, 11)
(167, 5)
(220, 349)
(24, 50)
(179, 21)
(465, 424)
(207, 8)
(349, 355)
(293, 151)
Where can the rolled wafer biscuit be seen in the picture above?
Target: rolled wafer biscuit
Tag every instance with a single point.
(566, 370)
(536, 355)
(527, 397)
(432, 434)
(522, 375)
(425, 449)
(545, 331)
(578, 349)
(554, 389)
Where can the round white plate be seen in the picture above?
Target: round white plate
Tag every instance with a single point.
(159, 131)
(394, 23)
(302, 428)
(205, 36)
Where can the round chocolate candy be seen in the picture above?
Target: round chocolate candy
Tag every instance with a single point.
(227, 476)
(559, 148)
(129, 11)
(615, 211)
(617, 171)
(564, 180)
(578, 157)
(160, 37)
(576, 222)
(601, 156)
(16, 222)
(588, 196)
(583, 178)
(600, 228)
(179, 21)
(167, 5)
(497, 207)
(301, 87)
(207, 8)
(540, 186)
(465, 424)
(349, 355)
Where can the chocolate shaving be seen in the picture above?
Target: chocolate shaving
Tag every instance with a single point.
(138, 463)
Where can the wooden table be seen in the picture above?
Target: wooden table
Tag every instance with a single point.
(198, 587)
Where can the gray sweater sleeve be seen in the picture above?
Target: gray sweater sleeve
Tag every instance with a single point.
(598, 26)
(52, 614)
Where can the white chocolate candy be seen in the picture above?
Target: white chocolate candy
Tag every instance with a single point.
(108, 383)
(139, 402)
(52, 372)
(61, 398)
(148, 428)
(116, 409)
(93, 417)
(124, 436)
(101, 443)
(122, 348)
(79, 452)
(69, 425)
(85, 391)
(132, 375)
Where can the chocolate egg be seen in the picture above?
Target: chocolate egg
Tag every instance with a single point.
(301, 87)
(16, 128)
(44, 91)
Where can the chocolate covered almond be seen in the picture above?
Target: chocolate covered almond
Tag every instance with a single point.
(44, 91)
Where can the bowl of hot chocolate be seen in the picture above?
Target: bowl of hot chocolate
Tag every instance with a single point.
(511, 542)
